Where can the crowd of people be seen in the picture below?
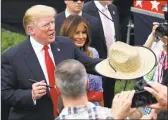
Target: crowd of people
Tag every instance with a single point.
(61, 55)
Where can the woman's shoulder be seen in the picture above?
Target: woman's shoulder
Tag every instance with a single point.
(92, 49)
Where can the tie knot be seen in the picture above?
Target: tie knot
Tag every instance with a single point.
(45, 47)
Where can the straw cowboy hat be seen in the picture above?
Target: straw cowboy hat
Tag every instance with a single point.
(127, 62)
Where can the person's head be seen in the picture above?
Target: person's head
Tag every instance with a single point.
(77, 28)
(71, 79)
(74, 7)
(39, 22)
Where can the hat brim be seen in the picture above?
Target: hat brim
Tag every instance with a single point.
(147, 63)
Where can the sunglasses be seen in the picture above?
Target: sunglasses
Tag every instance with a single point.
(77, 0)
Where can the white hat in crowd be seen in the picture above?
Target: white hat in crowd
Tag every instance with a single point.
(127, 62)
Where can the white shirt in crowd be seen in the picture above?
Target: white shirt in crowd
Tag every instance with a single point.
(38, 49)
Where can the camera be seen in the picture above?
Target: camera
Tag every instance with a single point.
(141, 97)
(162, 29)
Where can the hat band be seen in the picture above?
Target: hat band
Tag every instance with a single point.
(112, 66)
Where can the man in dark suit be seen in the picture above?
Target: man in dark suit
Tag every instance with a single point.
(36, 58)
(74, 7)
(107, 13)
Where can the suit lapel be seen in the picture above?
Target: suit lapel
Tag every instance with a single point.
(56, 51)
(33, 63)
(95, 10)
(112, 12)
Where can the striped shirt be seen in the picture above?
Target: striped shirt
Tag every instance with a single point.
(88, 111)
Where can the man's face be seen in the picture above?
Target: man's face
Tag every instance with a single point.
(74, 6)
(43, 30)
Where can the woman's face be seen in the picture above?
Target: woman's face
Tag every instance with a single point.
(80, 36)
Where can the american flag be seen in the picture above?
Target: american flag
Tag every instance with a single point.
(150, 5)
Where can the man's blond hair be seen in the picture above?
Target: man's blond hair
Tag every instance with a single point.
(36, 12)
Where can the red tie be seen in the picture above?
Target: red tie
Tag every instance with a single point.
(50, 72)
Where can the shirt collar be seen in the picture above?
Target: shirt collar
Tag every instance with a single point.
(76, 109)
(68, 14)
(99, 6)
(37, 46)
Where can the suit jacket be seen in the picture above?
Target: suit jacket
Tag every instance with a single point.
(91, 9)
(20, 63)
(97, 40)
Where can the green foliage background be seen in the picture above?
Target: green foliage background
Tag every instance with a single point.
(10, 39)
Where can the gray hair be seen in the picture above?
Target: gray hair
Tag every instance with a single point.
(71, 78)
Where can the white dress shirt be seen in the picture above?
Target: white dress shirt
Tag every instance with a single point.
(68, 14)
(38, 49)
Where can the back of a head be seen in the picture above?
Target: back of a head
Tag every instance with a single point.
(71, 78)
(36, 12)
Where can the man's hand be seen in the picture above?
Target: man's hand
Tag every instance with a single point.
(38, 90)
(121, 107)
(155, 25)
(160, 93)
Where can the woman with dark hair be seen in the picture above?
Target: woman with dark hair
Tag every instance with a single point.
(77, 28)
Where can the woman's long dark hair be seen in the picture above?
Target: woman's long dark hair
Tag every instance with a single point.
(69, 28)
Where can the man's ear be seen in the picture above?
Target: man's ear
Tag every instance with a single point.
(30, 30)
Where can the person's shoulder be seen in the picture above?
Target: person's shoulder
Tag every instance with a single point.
(104, 111)
(104, 108)
(112, 6)
(92, 20)
(89, 7)
(92, 49)
(95, 52)
(88, 4)
(86, 15)
(63, 40)
(61, 14)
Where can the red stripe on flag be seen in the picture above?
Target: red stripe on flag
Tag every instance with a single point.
(150, 5)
